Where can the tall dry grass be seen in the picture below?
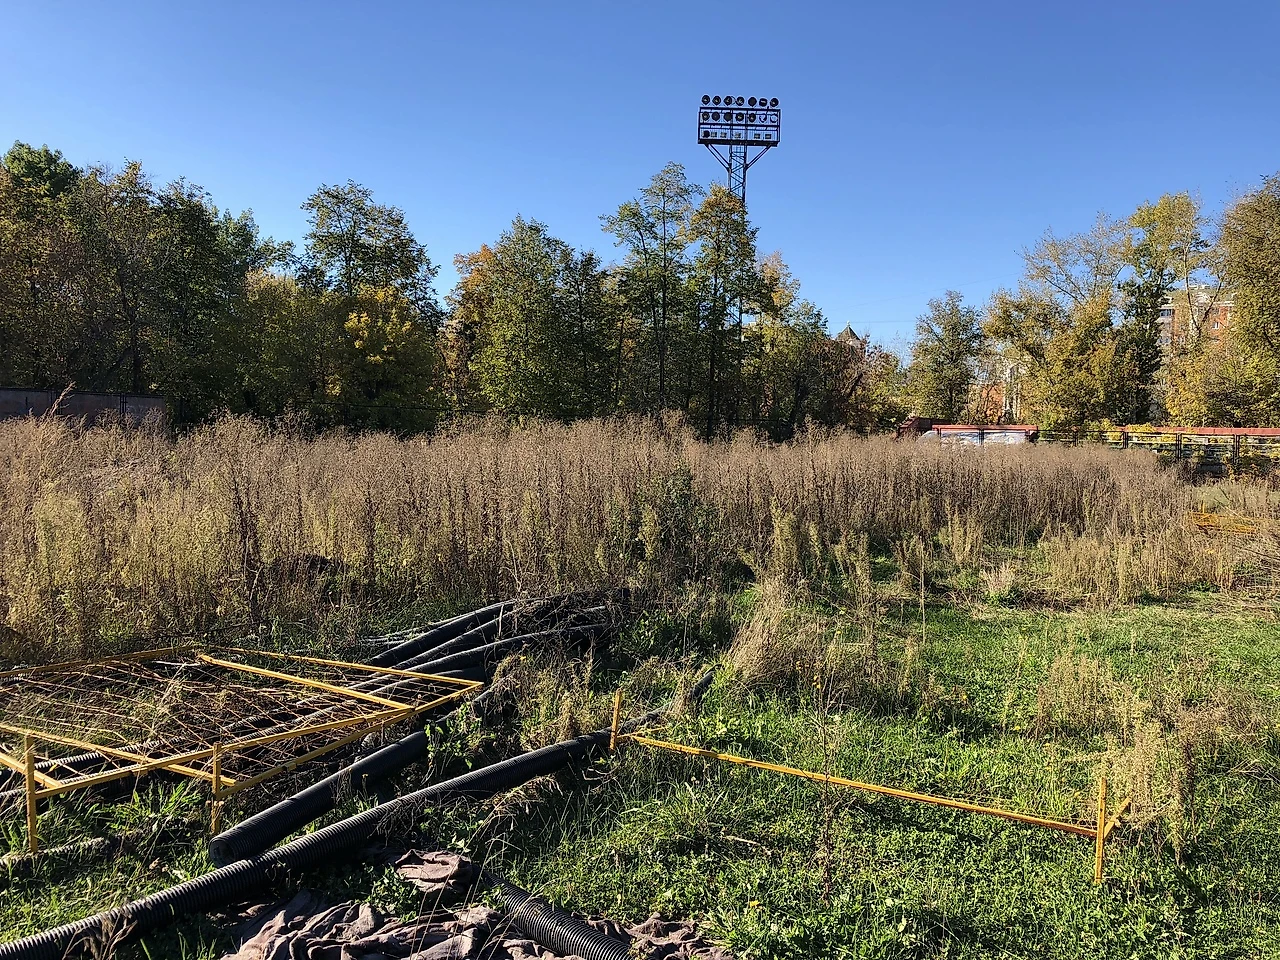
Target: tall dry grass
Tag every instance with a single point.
(108, 534)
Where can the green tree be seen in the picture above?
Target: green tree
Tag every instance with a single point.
(1251, 263)
(353, 243)
(1224, 383)
(948, 348)
(1059, 329)
(860, 385)
(654, 230)
(538, 313)
(36, 261)
(723, 280)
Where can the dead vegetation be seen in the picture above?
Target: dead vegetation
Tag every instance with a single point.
(108, 535)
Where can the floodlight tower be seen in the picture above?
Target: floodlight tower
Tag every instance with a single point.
(741, 125)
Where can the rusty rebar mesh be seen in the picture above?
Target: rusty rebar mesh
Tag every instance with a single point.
(181, 709)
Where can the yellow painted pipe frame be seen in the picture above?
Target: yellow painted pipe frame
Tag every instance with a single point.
(1213, 521)
(1100, 831)
(29, 761)
(300, 681)
(1079, 829)
(617, 713)
(222, 786)
(215, 803)
(121, 658)
(20, 766)
(179, 762)
(416, 674)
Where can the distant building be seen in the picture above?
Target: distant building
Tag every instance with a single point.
(848, 337)
(996, 395)
(1206, 310)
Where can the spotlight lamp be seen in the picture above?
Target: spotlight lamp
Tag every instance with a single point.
(716, 101)
(773, 102)
(705, 99)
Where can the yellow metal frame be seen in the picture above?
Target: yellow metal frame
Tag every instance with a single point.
(1242, 526)
(40, 786)
(1098, 831)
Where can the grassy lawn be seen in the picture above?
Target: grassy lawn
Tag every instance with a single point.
(781, 867)
(1017, 708)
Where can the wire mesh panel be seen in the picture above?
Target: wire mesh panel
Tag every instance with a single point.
(231, 717)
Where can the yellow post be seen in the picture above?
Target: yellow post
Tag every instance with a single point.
(617, 713)
(29, 761)
(215, 806)
(1100, 838)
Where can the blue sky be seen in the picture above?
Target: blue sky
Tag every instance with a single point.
(924, 143)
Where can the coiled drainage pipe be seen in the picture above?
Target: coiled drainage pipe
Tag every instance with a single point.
(550, 927)
(238, 880)
(440, 633)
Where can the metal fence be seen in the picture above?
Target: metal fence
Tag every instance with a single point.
(1211, 450)
(19, 402)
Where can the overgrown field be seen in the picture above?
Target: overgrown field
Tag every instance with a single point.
(108, 536)
(1001, 626)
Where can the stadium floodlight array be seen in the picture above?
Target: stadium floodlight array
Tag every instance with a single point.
(735, 128)
(747, 121)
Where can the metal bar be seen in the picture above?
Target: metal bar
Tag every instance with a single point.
(122, 658)
(177, 762)
(1115, 817)
(1076, 828)
(366, 719)
(617, 713)
(301, 681)
(378, 719)
(1100, 831)
(173, 762)
(441, 700)
(452, 681)
(29, 761)
(20, 766)
(215, 805)
(163, 763)
(294, 762)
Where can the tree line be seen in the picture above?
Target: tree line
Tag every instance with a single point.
(1121, 324)
(110, 282)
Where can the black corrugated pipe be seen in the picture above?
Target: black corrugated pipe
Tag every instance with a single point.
(486, 633)
(491, 653)
(550, 927)
(238, 880)
(251, 836)
(441, 633)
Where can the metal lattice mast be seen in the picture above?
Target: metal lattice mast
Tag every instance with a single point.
(731, 128)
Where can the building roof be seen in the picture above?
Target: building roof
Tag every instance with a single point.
(847, 335)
